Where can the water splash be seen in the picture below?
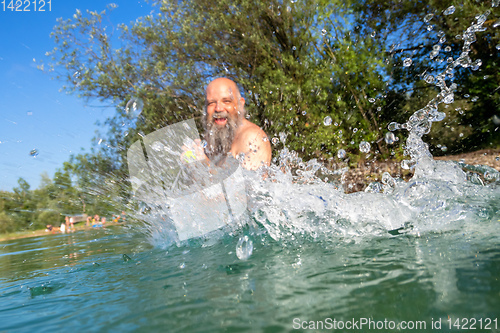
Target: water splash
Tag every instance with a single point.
(298, 199)
(244, 248)
(134, 107)
(34, 153)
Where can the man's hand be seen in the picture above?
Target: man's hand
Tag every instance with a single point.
(193, 153)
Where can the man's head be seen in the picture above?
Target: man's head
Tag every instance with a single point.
(224, 112)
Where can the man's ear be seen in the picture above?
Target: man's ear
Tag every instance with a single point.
(242, 101)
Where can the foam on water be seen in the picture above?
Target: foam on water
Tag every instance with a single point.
(293, 199)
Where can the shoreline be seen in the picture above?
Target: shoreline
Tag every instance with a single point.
(42, 232)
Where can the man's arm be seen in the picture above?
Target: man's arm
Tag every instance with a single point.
(256, 149)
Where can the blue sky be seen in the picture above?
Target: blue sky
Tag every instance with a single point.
(34, 114)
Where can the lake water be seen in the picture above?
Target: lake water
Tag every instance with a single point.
(115, 280)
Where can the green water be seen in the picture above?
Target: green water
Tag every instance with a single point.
(82, 282)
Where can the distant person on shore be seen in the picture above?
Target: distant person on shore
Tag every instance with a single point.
(89, 221)
(227, 131)
(72, 223)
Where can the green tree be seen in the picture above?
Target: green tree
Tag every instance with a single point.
(429, 33)
(297, 62)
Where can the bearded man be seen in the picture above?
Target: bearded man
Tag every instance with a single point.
(227, 131)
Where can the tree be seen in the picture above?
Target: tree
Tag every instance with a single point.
(298, 63)
(429, 33)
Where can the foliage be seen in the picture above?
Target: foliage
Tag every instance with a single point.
(416, 29)
(298, 63)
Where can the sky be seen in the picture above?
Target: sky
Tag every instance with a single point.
(34, 113)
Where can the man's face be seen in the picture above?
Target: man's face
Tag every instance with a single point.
(222, 104)
(222, 118)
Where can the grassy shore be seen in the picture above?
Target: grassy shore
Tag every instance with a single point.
(42, 232)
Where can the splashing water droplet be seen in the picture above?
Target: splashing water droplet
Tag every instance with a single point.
(407, 62)
(496, 120)
(323, 32)
(327, 121)
(294, 48)
(275, 141)
(448, 99)
(371, 100)
(34, 153)
(364, 147)
(474, 99)
(341, 154)
(244, 248)
(390, 138)
(429, 78)
(498, 46)
(447, 49)
(428, 17)
(430, 27)
(134, 107)
(373, 34)
(393, 126)
(496, 24)
(495, 3)
(355, 130)
(450, 10)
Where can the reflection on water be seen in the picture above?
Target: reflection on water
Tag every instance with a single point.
(83, 281)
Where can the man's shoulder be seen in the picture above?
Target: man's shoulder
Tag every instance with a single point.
(250, 131)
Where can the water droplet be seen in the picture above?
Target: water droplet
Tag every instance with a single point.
(390, 138)
(341, 154)
(444, 148)
(496, 24)
(275, 140)
(134, 107)
(428, 17)
(323, 32)
(327, 121)
(429, 78)
(498, 47)
(430, 27)
(373, 34)
(371, 100)
(407, 164)
(466, 95)
(474, 99)
(442, 39)
(182, 265)
(407, 62)
(476, 64)
(364, 147)
(34, 152)
(448, 99)
(244, 248)
(294, 48)
(393, 126)
(29, 113)
(450, 10)
(495, 3)
(354, 130)
(496, 120)
(447, 49)
(304, 113)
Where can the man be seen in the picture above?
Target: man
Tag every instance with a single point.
(228, 131)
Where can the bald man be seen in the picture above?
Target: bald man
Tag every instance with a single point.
(228, 131)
